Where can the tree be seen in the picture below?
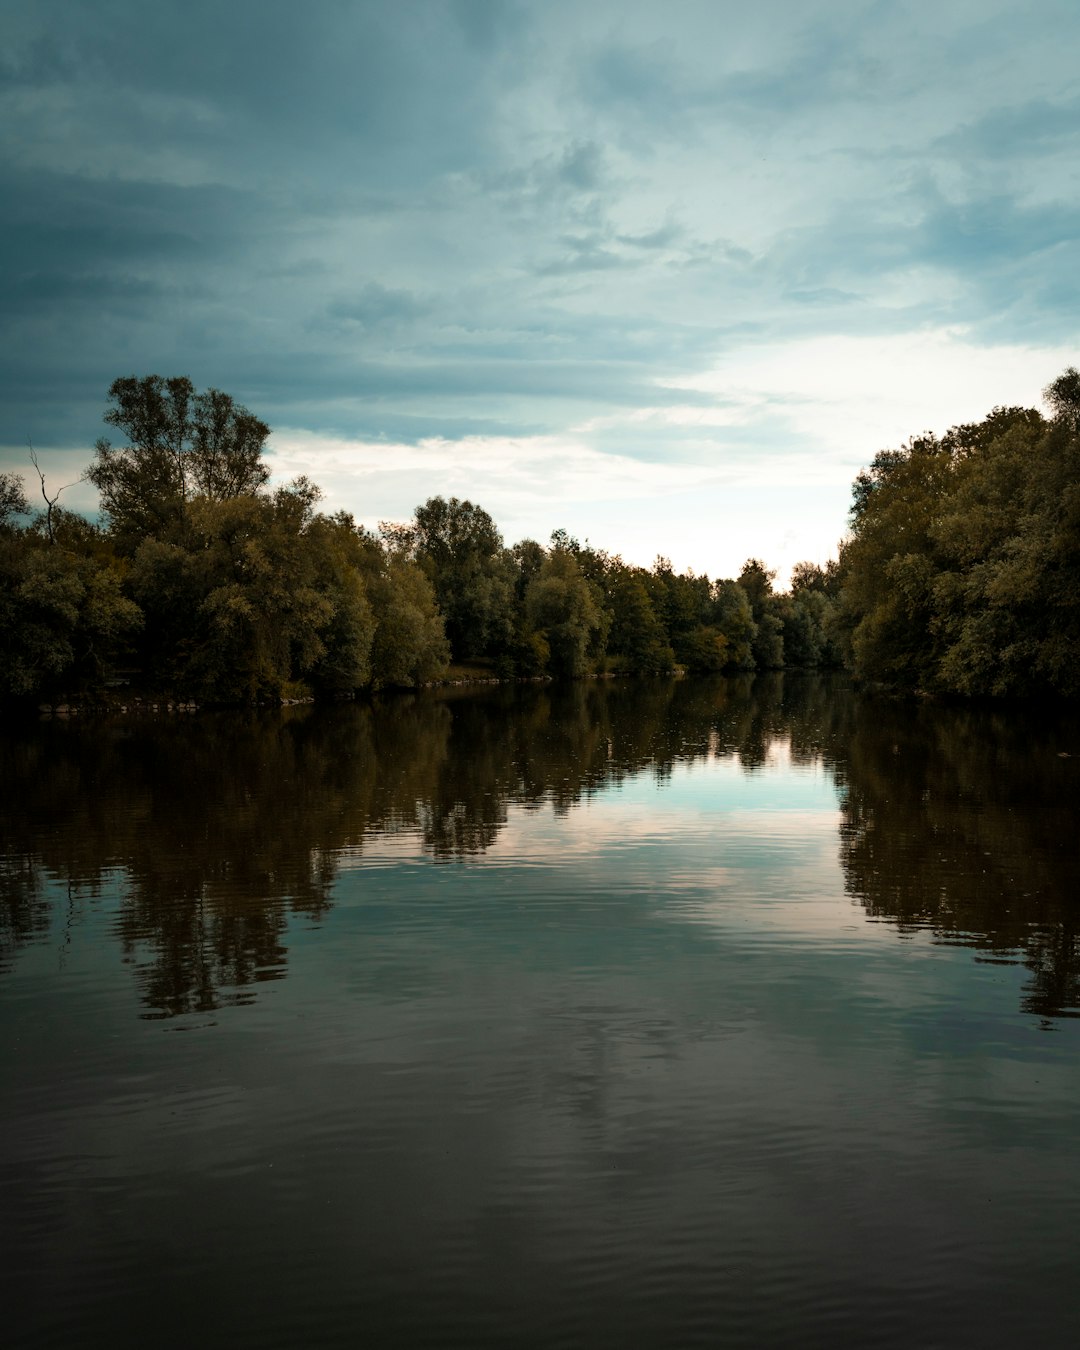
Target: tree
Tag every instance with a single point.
(227, 443)
(561, 608)
(732, 616)
(179, 445)
(50, 502)
(410, 646)
(62, 616)
(461, 550)
(767, 644)
(260, 595)
(1063, 396)
(638, 638)
(13, 501)
(809, 577)
(962, 572)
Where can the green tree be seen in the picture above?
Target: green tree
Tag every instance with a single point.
(962, 572)
(410, 646)
(1063, 396)
(13, 503)
(638, 640)
(732, 617)
(63, 615)
(767, 643)
(889, 565)
(809, 615)
(564, 611)
(261, 594)
(461, 551)
(179, 444)
(705, 650)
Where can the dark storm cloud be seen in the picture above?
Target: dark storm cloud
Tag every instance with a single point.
(472, 216)
(1036, 126)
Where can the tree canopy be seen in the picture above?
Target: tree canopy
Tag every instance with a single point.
(962, 570)
(179, 444)
(960, 574)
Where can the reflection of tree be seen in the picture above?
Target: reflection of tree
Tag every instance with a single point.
(220, 828)
(24, 907)
(223, 826)
(962, 821)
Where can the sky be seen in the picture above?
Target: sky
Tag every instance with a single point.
(662, 275)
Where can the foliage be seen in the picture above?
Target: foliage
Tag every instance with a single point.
(410, 645)
(732, 615)
(202, 582)
(638, 640)
(461, 551)
(63, 617)
(180, 444)
(962, 572)
(13, 501)
(563, 614)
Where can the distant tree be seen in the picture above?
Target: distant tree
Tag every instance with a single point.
(679, 601)
(889, 563)
(528, 558)
(260, 595)
(808, 576)
(410, 646)
(227, 444)
(705, 650)
(756, 580)
(338, 551)
(809, 615)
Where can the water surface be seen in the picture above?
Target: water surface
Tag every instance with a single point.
(624, 1013)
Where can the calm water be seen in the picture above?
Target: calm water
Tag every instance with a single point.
(625, 1014)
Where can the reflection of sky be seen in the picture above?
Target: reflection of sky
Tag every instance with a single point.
(710, 843)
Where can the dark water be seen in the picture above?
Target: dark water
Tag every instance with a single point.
(627, 1014)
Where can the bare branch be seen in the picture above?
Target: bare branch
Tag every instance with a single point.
(50, 502)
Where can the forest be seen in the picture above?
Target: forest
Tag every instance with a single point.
(960, 573)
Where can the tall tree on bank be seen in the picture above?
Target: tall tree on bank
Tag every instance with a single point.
(179, 444)
(962, 571)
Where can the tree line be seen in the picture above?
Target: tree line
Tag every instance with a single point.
(960, 574)
(201, 581)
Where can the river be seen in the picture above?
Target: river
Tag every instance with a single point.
(620, 1013)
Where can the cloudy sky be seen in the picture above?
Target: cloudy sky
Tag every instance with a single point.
(664, 275)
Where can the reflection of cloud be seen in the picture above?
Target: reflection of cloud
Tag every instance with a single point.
(710, 846)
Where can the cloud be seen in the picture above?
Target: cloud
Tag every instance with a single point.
(473, 222)
(376, 306)
(851, 396)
